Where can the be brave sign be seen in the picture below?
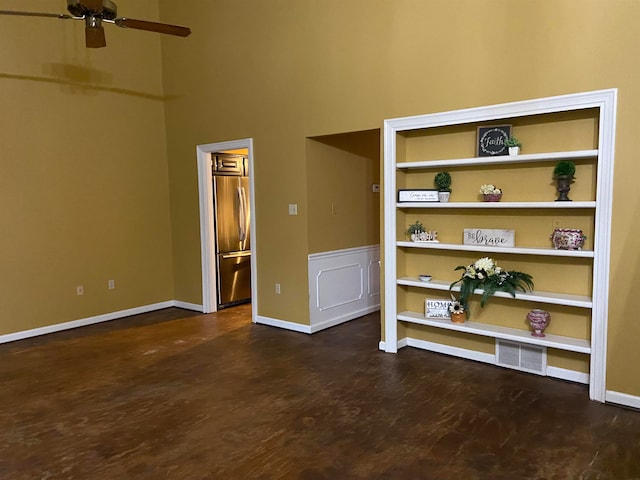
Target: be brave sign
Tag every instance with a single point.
(491, 140)
(489, 237)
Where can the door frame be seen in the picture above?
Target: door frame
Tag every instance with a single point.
(207, 235)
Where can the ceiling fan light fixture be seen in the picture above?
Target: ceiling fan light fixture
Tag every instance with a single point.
(95, 12)
(94, 32)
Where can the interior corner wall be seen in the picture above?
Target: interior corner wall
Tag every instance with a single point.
(344, 211)
(280, 72)
(84, 195)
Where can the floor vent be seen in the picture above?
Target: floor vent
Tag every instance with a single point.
(520, 356)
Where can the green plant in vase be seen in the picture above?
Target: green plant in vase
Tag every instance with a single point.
(563, 173)
(513, 144)
(485, 274)
(442, 181)
(415, 228)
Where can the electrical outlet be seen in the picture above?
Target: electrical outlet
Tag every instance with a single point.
(111, 284)
(277, 288)
(80, 290)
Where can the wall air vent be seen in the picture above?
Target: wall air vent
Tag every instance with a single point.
(520, 356)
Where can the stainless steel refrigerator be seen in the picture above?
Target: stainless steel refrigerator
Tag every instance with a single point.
(232, 235)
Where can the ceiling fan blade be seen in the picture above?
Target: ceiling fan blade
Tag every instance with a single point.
(36, 14)
(153, 27)
(94, 37)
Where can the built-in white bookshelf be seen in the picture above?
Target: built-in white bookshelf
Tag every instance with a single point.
(598, 208)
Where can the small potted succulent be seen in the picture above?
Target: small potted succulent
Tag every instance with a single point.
(563, 173)
(513, 144)
(490, 193)
(442, 181)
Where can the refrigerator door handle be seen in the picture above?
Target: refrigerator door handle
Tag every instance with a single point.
(236, 255)
(242, 214)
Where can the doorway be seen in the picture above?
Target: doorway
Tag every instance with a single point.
(207, 232)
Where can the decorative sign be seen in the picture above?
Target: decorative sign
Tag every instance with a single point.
(430, 236)
(419, 195)
(491, 140)
(435, 308)
(490, 238)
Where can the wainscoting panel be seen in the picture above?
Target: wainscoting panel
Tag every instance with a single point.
(343, 285)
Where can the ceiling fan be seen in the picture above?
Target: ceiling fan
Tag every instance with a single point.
(95, 13)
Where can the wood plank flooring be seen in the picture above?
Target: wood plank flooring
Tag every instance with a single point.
(179, 395)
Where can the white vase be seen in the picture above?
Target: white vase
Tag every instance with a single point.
(514, 150)
(443, 196)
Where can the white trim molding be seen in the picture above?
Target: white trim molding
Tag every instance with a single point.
(274, 322)
(343, 285)
(622, 399)
(606, 103)
(207, 236)
(83, 322)
(553, 372)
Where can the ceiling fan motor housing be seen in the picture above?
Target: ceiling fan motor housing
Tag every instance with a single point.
(104, 9)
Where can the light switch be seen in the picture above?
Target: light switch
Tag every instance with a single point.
(293, 209)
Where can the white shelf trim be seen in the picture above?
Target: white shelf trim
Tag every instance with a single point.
(605, 101)
(501, 160)
(552, 298)
(550, 252)
(489, 205)
(496, 331)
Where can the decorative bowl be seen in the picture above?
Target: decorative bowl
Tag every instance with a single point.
(491, 197)
(567, 239)
(424, 278)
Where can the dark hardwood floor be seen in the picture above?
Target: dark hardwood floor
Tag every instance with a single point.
(178, 395)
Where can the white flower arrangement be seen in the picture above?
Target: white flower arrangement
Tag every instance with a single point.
(485, 274)
(489, 189)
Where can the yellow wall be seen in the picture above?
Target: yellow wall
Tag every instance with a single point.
(83, 170)
(344, 212)
(89, 192)
(281, 71)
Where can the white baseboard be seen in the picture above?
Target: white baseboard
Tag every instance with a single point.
(83, 322)
(555, 372)
(188, 306)
(570, 375)
(455, 351)
(343, 318)
(622, 399)
(403, 342)
(274, 322)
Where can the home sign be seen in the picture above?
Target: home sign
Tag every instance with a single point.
(435, 308)
(489, 237)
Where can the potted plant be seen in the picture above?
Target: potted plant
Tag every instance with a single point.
(442, 180)
(490, 193)
(485, 274)
(457, 311)
(415, 229)
(563, 173)
(513, 144)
